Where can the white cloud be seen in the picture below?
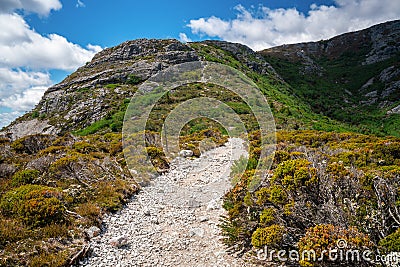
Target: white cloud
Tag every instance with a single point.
(264, 27)
(15, 82)
(7, 117)
(79, 3)
(20, 91)
(22, 46)
(41, 7)
(24, 101)
(183, 38)
(26, 56)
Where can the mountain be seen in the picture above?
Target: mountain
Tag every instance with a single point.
(97, 90)
(353, 78)
(334, 173)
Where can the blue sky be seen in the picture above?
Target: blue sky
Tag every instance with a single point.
(42, 41)
(109, 23)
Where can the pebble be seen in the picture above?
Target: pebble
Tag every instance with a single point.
(164, 225)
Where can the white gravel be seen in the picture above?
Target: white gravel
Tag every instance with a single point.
(173, 222)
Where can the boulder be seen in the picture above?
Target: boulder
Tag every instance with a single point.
(186, 153)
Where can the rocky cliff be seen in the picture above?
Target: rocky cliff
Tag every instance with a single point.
(98, 88)
(349, 74)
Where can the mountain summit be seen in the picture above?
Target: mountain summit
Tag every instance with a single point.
(334, 174)
(353, 78)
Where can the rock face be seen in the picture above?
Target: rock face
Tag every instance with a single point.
(163, 228)
(95, 90)
(378, 42)
(363, 66)
(252, 59)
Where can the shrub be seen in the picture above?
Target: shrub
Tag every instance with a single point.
(90, 212)
(391, 242)
(112, 195)
(267, 216)
(270, 236)
(281, 156)
(32, 144)
(324, 237)
(112, 86)
(24, 177)
(11, 230)
(294, 173)
(35, 114)
(34, 204)
(157, 157)
(84, 147)
(115, 148)
(277, 194)
(133, 79)
(56, 259)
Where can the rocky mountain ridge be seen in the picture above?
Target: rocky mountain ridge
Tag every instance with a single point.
(63, 166)
(351, 73)
(380, 42)
(95, 89)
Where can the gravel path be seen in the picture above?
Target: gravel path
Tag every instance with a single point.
(173, 222)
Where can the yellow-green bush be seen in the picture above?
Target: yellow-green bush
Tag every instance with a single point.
(324, 237)
(277, 194)
(24, 177)
(33, 204)
(270, 236)
(267, 216)
(84, 147)
(90, 212)
(294, 173)
(391, 242)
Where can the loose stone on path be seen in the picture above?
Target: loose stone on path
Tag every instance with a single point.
(174, 221)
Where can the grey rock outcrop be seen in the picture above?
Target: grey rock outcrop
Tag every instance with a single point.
(96, 89)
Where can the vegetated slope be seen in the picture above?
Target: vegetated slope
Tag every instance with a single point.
(102, 88)
(323, 187)
(64, 160)
(353, 78)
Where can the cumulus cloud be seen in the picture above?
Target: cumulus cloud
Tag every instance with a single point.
(20, 91)
(183, 38)
(22, 46)
(14, 81)
(7, 117)
(24, 101)
(264, 27)
(41, 7)
(26, 56)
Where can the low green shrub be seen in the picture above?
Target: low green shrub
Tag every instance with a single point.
(270, 236)
(35, 205)
(24, 177)
(391, 242)
(267, 216)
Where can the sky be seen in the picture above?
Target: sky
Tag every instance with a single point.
(42, 41)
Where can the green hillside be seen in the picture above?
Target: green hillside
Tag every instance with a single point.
(335, 173)
(347, 78)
